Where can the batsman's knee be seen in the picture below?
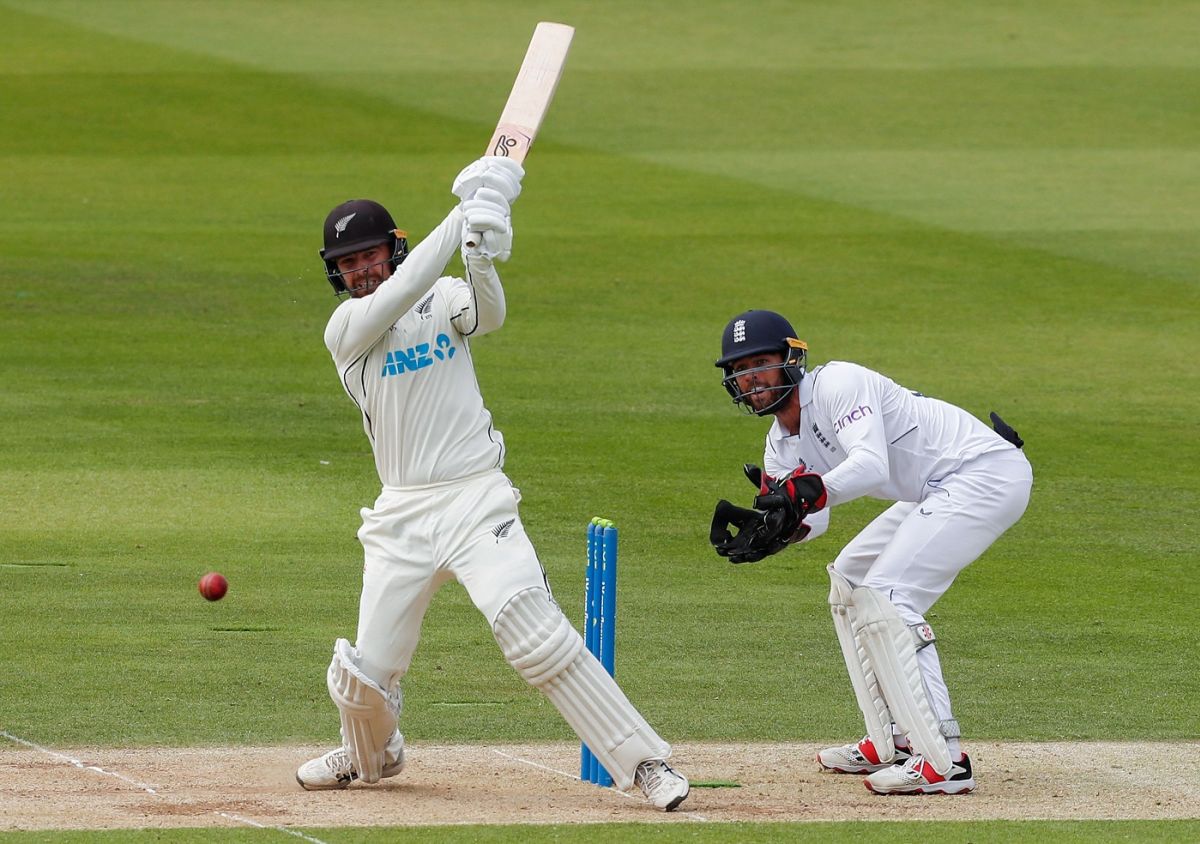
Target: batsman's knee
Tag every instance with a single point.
(535, 636)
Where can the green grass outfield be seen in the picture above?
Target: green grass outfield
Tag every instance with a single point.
(995, 204)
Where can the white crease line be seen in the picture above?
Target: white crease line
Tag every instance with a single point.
(83, 766)
(545, 767)
(249, 822)
(531, 763)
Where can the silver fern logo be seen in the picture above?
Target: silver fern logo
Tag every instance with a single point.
(340, 225)
(424, 307)
(501, 530)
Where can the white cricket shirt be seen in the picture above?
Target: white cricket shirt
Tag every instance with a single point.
(867, 435)
(404, 359)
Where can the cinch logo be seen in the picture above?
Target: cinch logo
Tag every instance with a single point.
(417, 357)
(860, 412)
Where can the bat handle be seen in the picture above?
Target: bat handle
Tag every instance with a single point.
(473, 239)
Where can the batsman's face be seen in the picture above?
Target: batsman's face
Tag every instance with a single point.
(363, 271)
(759, 377)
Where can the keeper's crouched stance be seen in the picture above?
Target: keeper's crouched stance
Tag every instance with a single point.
(841, 432)
(401, 344)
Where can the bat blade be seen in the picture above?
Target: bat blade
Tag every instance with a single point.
(530, 97)
(533, 90)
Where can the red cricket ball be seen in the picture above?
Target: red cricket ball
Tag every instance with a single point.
(213, 586)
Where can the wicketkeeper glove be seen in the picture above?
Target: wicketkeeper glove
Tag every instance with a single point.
(793, 498)
(756, 476)
(759, 535)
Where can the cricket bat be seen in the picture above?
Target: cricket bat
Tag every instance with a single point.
(530, 96)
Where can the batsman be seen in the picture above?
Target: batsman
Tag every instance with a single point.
(841, 432)
(402, 344)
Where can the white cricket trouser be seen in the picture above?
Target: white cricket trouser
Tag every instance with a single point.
(912, 552)
(414, 541)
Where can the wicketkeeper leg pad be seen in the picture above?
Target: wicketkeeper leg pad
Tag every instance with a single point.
(862, 676)
(369, 714)
(890, 646)
(539, 641)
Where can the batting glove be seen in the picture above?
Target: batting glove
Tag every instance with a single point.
(487, 223)
(494, 172)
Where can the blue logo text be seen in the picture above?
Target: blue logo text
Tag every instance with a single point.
(417, 357)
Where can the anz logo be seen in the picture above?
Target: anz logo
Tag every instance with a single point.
(417, 357)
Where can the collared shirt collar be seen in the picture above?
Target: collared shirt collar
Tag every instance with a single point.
(806, 388)
(777, 433)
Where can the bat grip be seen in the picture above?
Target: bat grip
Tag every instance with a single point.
(473, 239)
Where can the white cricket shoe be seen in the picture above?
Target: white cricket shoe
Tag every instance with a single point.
(335, 770)
(861, 758)
(917, 776)
(662, 786)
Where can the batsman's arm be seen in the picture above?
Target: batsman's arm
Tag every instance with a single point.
(357, 324)
(477, 304)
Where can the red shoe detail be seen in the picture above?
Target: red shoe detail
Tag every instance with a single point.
(867, 748)
(927, 771)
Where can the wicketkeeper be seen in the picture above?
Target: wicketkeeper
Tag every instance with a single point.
(401, 342)
(842, 432)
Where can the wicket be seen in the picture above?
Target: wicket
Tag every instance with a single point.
(600, 620)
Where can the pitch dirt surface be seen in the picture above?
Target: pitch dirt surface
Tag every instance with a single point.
(105, 788)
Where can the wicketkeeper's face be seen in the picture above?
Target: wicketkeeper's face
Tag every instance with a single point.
(363, 271)
(760, 377)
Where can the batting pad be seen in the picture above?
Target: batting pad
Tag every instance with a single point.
(368, 713)
(546, 650)
(862, 677)
(888, 642)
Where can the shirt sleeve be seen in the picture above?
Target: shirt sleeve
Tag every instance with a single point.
(851, 398)
(477, 304)
(357, 324)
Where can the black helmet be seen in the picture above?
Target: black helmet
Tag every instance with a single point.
(755, 332)
(355, 225)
